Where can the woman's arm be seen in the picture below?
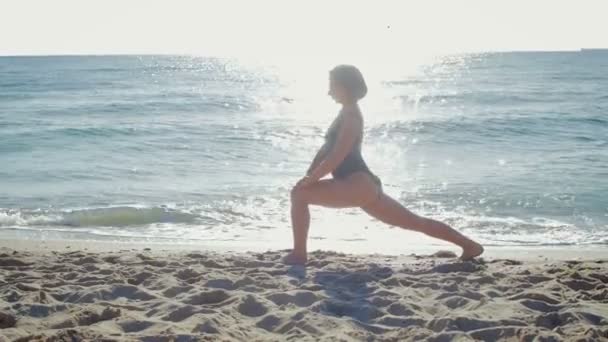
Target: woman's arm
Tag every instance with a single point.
(347, 135)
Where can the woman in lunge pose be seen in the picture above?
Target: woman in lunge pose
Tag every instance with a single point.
(353, 184)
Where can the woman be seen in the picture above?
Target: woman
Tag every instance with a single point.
(353, 184)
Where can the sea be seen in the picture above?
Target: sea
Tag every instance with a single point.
(510, 148)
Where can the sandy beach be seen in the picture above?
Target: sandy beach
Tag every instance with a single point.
(74, 292)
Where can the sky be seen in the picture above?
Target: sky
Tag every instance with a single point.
(308, 28)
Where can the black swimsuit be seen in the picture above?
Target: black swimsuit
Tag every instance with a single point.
(354, 160)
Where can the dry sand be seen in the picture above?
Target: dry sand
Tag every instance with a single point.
(72, 294)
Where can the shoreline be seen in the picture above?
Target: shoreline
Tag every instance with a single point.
(525, 253)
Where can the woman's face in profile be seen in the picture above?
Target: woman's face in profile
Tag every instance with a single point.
(336, 91)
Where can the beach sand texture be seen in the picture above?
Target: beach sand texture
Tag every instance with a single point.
(151, 295)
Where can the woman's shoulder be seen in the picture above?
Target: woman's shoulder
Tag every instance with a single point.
(353, 115)
(346, 114)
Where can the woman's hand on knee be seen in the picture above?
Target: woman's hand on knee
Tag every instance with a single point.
(305, 181)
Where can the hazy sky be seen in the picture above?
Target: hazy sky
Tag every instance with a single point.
(287, 28)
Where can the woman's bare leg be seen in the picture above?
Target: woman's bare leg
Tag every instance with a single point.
(354, 191)
(300, 221)
(393, 213)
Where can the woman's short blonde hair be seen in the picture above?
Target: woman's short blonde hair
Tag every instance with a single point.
(350, 78)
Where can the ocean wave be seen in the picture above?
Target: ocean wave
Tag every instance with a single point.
(516, 231)
(409, 81)
(502, 128)
(8, 85)
(12, 147)
(21, 141)
(483, 98)
(166, 223)
(96, 217)
(600, 121)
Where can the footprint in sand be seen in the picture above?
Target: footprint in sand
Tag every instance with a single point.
(207, 298)
(398, 309)
(181, 314)
(87, 317)
(86, 260)
(224, 284)
(359, 311)
(7, 320)
(131, 326)
(186, 274)
(269, 322)
(251, 307)
(301, 298)
(139, 278)
(207, 327)
(13, 262)
(176, 290)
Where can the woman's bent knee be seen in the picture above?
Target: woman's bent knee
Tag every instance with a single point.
(298, 194)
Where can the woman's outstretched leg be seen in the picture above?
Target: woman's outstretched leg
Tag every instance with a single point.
(393, 213)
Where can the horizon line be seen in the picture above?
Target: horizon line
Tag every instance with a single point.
(128, 54)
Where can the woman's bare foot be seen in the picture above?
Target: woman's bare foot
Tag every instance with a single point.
(293, 259)
(472, 251)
